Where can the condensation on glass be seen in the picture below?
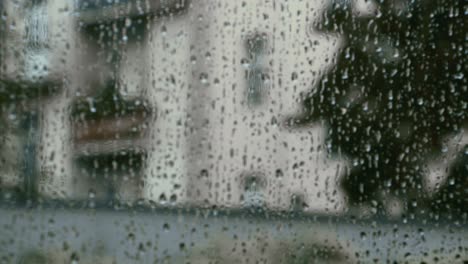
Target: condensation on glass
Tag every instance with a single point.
(254, 131)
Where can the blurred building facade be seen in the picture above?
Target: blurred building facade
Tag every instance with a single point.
(175, 102)
(216, 84)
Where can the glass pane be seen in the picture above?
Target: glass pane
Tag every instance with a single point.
(216, 131)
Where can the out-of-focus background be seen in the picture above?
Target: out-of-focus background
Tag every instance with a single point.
(248, 131)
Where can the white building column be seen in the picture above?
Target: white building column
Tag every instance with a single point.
(167, 89)
(66, 68)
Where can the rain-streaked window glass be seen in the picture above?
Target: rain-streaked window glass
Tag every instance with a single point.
(221, 131)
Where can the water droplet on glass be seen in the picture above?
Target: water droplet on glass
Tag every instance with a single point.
(204, 78)
(91, 194)
(279, 173)
(363, 235)
(162, 199)
(245, 63)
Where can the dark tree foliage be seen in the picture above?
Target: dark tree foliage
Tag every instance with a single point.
(396, 90)
(453, 195)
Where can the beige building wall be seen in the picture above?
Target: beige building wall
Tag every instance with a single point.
(168, 88)
(222, 140)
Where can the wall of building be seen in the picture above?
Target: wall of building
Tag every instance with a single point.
(208, 142)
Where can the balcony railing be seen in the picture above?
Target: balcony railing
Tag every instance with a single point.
(99, 11)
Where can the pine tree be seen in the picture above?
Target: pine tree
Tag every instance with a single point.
(396, 90)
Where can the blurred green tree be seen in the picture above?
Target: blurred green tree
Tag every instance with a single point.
(396, 90)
